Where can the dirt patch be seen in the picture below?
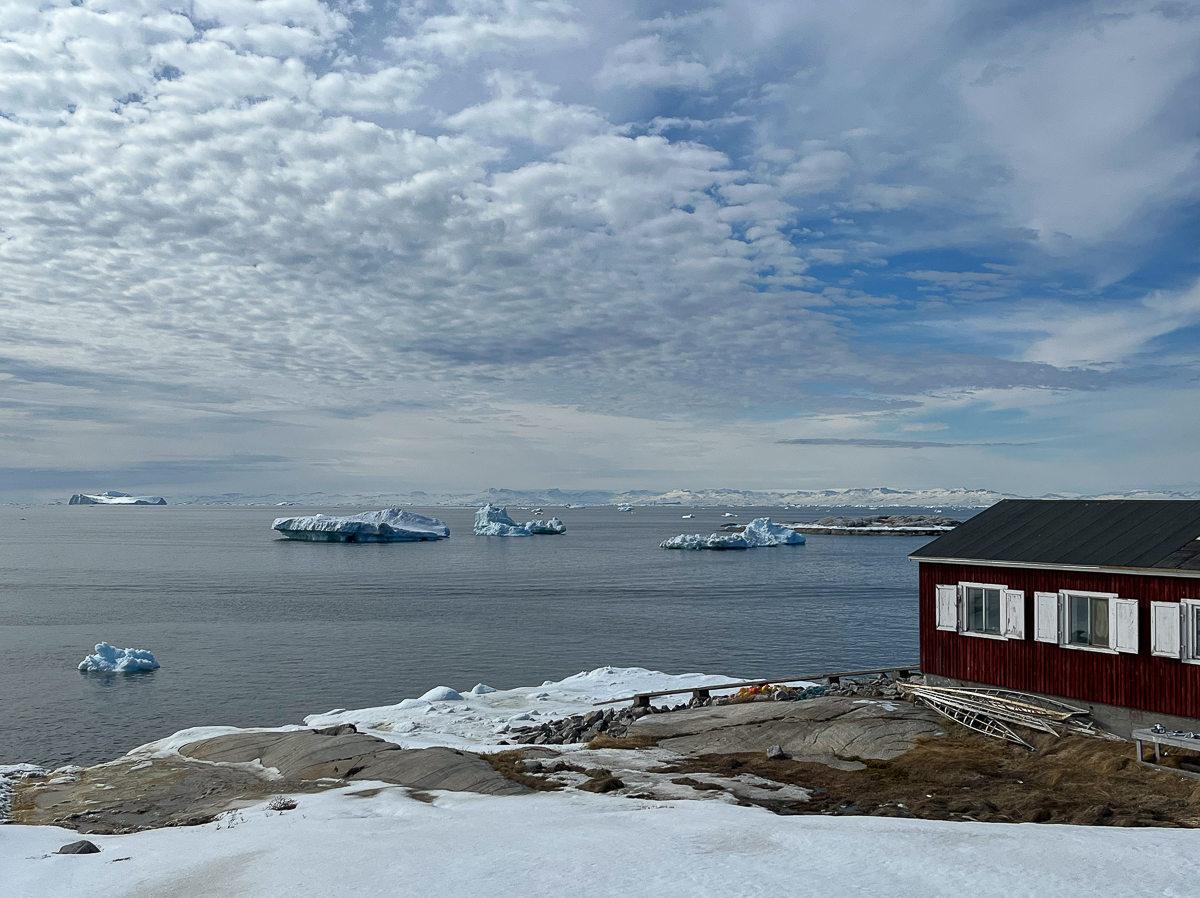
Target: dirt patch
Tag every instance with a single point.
(511, 764)
(965, 776)
(631, 742)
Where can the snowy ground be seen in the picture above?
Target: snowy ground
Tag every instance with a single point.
(375, 839)
(358, 841)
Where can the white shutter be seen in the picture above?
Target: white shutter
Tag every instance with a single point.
(1014, 613)
(946, 616)
(1124, 624)
(1045, 617)
(1165, 629)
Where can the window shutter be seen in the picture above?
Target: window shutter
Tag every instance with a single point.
(1165, 629)
(946, 617)
(1045, 617)
(1014, 613)
(1124, 627)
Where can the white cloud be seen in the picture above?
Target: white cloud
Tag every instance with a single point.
(650, 61)
(1077, 337)
(222, 227)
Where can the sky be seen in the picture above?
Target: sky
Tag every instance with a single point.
(361, 247)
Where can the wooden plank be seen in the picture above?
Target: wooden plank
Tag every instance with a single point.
(643, 698)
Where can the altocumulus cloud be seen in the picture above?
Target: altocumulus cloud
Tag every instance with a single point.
(231, 225)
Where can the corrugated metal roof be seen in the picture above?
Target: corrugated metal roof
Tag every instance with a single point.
(1107, 533)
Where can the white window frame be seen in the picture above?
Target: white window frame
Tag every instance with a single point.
(963, 616)
(1114, 600)
(1189, 611)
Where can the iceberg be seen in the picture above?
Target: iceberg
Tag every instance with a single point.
(492, 520)
(112, 497)
(553, 525)
(392, 525)
(109, 659)
(759, 533)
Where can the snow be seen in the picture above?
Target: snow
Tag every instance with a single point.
(492, 520)
(553, 525)
(109, 659)
(374, 839)
(759, 533)
(387, 526)
(112, 497)
(441, 694)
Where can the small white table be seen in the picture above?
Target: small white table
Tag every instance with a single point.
(1159, 740)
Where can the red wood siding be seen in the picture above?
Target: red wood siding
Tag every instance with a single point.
(1142, 681)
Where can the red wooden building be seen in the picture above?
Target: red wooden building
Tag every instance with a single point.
(1095, 602)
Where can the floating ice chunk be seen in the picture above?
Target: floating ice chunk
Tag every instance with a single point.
(759, 533)
(441, 694)
(492, 520)
(109, 659)
(687, 517)
(392, 525)
(553, 525)
(624, 508)
(112, 497)
(729, 514)
(481, 689)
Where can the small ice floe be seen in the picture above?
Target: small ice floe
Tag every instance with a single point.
(109, 659)
(624, 508)
(493, 520)
(392, 525)
(729, 514)
(552, 525)
(759, 533)
(688, 517)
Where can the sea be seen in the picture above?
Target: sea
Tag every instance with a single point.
(255, 630)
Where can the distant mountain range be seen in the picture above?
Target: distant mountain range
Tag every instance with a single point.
(873, 497)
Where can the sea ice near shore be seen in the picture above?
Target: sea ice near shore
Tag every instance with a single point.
(109, 659)
(392, 525)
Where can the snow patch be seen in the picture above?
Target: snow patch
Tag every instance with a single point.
(441, 694)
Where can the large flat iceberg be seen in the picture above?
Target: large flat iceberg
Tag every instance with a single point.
(759, 533)
(392, 525)
(109, 659)
(493, 520)
(112, 497)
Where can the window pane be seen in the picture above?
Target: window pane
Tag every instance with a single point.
(1195, 646)
(975, 609)
(1077, 623)
(992, 603)
(1099, 614)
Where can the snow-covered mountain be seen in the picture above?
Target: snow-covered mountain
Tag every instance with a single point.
(863, 497)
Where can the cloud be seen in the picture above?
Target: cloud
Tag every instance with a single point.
(1108, 336)
(879, 443)
(227, 223)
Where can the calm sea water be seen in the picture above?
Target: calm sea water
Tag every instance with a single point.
(254, 630)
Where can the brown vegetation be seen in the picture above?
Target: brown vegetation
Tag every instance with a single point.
(965, 776)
